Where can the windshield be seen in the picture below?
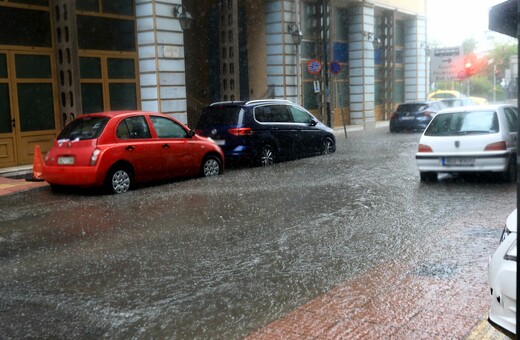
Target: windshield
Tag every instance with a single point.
(84, 128)
(463, 123)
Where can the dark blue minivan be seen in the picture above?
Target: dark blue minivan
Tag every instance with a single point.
(265, 131)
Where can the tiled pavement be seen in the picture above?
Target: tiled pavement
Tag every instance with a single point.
(392, 301)
(10, 186)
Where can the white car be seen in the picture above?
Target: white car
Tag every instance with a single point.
(470, 139)
(502, 278)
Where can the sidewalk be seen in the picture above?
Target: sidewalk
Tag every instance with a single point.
(12, 180)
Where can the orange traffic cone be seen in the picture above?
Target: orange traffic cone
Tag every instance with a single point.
(37, 166)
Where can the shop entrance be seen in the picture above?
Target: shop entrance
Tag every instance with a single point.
(28, 105)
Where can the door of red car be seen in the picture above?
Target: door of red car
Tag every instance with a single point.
(139, 148)
(181, 154)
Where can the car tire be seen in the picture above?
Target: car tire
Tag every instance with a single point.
(211, 166)
(327, 146)
(267, 156)
(119, 180)
(509, 175)
(428, 176)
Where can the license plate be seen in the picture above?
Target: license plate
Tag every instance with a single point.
(408, 118)
(454, 161)
(220, 141)
(67, 160)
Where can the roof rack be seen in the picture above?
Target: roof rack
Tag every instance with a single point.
(269, 101)
(236, 102)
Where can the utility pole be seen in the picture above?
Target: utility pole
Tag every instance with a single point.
(326, 90)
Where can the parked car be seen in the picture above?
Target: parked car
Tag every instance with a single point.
(479, 100)
(502, 277)
(118, 149)
(470, 139)
(458, 102)
(441, 94)
(265, 131)
(414, 115)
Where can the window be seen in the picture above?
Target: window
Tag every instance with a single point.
(167, 128)
(136, 128)
(272, 114)
(300, 116)
(463, 123)
(108, 83)
(35, 25)
(85, 128)
(512, 119)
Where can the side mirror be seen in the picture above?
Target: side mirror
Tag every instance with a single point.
(313, 122)
(191, 133)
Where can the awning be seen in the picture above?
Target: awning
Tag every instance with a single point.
(503, 18)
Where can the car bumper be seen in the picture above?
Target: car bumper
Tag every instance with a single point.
(473, 163)
(84, 176)
(409, 125)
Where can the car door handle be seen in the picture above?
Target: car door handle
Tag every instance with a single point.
(129, 148)
(166, 146)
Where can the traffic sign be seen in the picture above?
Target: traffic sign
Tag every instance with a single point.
(335, 67)
(446, 64)
(314, 66)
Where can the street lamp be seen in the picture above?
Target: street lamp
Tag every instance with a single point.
(185, 19)
(296, 34)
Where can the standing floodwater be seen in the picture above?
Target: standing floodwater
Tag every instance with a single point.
(222, 257)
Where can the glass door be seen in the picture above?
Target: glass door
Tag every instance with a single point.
(28, 108)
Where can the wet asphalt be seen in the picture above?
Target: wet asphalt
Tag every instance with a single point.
(225, 257)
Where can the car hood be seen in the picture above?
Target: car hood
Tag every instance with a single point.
(511, 222)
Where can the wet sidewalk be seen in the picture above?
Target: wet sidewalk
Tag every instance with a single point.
(10, 186)
(430, 297)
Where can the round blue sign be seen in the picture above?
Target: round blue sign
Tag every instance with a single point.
(335, 67)
(314, 66)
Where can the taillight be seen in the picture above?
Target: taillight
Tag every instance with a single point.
(94, 157)
(241, 131)
(424, 148)
(499, 146)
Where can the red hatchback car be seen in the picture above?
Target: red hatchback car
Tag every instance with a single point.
(120, 148)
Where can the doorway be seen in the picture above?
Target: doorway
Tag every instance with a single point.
(28, 108)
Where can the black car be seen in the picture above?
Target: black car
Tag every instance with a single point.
(265, 131)
(414, 116)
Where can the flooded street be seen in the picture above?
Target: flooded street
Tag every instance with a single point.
(223, 257)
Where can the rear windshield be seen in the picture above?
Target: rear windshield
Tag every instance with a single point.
(84, 128)
(403, 108)
(463, 123)
(219, 115)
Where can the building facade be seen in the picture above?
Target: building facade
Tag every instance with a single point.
(347, 61)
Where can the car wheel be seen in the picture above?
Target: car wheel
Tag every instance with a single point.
(509, 175)
(119, 181)
(428, 176)
(211, 166)
(267, 156)
(327, 146)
